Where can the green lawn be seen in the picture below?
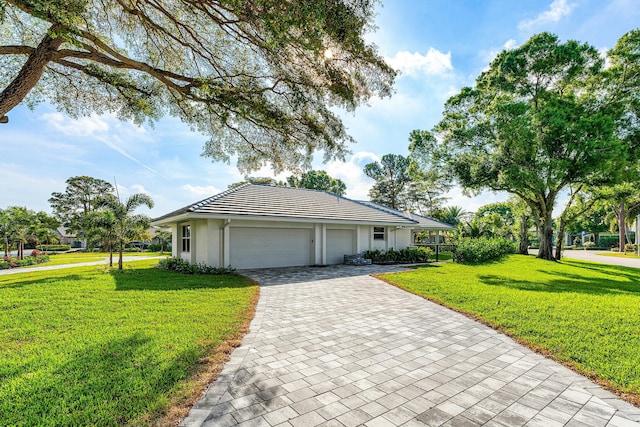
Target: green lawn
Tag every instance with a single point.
(89, 346)
(585, 314)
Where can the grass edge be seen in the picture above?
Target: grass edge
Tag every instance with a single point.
(632, 398)
(206, 372)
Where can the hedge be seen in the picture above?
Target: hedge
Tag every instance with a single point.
(482, 249)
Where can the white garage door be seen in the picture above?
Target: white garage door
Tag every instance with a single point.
(269, 247)
(339, 244)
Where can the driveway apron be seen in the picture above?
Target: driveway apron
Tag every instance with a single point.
(335, 347)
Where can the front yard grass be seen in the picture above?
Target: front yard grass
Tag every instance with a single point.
(583, 314)
(91, 346)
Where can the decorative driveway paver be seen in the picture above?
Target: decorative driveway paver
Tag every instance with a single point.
(335, 347)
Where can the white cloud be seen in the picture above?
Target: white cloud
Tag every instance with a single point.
(414, 64)
(84, 126)
(97, 128)
(557, 10)
(201, 190)
(351, 172)
(137, 188)
(510, 44)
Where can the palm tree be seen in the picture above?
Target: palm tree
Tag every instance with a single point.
(163, 237)
(452, 215)
(126, 225)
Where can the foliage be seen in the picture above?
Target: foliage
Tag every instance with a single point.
(260, 79)
(482, 249)
(81, 196)
(21, 225)
(392, 181)
(181, 266)
(318, 180)
(120, 224)
(453, 215)
(258, 180)
(35, 258)
(584, 314)
(541, 118)
(405, 255)
(158, 247)
(83, 346)
(429, 182)
(162, 238)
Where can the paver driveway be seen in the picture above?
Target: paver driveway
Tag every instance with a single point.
(335, 347)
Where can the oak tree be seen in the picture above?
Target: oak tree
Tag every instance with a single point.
(259, 78)
(318, 180)
(541, 118)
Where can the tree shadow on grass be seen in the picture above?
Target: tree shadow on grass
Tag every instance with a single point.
(623, 282)
(155, 279)
(110, 383)
(27, 281)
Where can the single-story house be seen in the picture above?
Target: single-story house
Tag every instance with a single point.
(259, 226)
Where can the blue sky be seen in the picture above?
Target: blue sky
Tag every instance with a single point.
(438, 45)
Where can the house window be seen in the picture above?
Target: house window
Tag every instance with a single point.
(186, 238)
(378, 233)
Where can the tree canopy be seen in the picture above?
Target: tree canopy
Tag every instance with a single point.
(260, 78)
(318, 180)
(81, 197)
(392, 181)
(544, 116)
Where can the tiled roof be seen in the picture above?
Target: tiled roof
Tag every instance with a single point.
(423, 221)
(268, 201)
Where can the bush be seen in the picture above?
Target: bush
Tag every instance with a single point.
(406, 255)
(589, 245)
(54, 248)
(630, 247)
(35, 258)
(181, 266)
(482, 249)
(134, 249)
(157, 247)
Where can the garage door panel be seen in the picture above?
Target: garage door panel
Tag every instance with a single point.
(339, 244)
(269, 247)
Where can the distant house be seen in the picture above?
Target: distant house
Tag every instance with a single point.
(258, 226)
(65, 237)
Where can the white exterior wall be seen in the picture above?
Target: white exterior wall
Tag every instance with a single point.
(210, 238)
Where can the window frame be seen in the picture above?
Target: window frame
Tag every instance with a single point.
(185, 237)
(380, 234)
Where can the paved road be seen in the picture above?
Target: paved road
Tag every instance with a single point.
(335, 347)
(595, 257)
(81, 264)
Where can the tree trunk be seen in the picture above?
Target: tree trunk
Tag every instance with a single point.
(31, 71)
(545, 237)
(560, 239)
(523, 241)
(121, 249)
(621, 227)
(110, 255)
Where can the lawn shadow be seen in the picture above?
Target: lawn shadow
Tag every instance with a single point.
(625, 281)
(24, 280)
(155, 279)
(109, 383)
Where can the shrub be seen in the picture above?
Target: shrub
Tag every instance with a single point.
(54, 248)
(406, 255)
(589, 245)
(133, 249)
(482, 249)
(629, 247)
(156, 247)
(181, 266)
(35, 258)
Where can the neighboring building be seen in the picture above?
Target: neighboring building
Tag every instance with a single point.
(65, 237)
(259, 226)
